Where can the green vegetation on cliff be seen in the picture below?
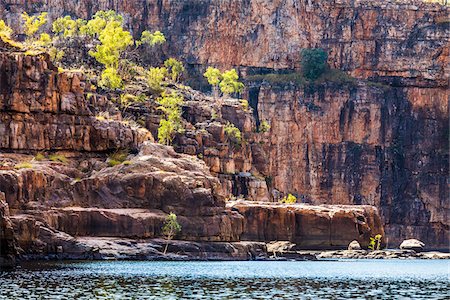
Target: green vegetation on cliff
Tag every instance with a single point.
(170, 105)
(170, 229)
(227, 82)
(314, 71)
(314, 63)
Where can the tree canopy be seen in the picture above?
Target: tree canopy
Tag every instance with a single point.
(313, 62)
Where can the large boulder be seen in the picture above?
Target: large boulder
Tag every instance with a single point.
(412, 244)
(354, 245)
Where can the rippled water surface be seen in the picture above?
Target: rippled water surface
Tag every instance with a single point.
(364, 279)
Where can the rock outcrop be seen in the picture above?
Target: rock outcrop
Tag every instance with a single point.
(7, 240)
(364, 144)
(307, 226)
(381, 143)
(41, 109)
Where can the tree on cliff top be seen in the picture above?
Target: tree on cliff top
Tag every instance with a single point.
(5, 30)
(214, 77)
(170, 229)
(314, 63)
(32, 24)
(230, 83)
(174, 67)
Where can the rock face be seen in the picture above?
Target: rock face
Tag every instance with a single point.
(309, 227)
(367, 38)
(43, 109)
(354, 144)
(7, 241)
(382, 144)
(338, 145)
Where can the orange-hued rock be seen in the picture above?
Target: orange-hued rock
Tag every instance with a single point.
(41, 109)
(404, 39)
(307, 226)
(364, 144)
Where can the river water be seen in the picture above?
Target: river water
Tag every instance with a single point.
(343, 279)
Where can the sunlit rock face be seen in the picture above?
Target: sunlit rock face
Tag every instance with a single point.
(307, 226)
(386, 147)
(363, 144)
(404, 39)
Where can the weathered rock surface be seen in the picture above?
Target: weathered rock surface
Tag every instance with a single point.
(43, 109)
(378, 254)
(363, 144)
(412, 244)
(354, 245)
(338, 144)
(307, 226)
(368, 38)
(7, 240)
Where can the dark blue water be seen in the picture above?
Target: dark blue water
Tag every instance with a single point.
(358, 279)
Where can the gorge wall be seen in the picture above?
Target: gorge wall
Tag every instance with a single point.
(382, 144)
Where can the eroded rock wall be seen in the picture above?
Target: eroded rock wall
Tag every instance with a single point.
(367, 38)
(364, 144)
(307, 226)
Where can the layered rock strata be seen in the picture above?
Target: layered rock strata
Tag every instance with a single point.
(364, 144)
(309, 227)
(361, 145)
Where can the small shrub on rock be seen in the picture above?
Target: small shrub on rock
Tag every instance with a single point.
(233, 132)
(289, 199)
(375, 242)
(24, 165)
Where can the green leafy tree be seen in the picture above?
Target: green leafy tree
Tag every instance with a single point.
(170, 229)
(214, 77)
(99, 21)
(114, 40)
(155, 77)
(64, 26)
(32, 24)
(174, 67)
(170, 105)
(152, 39)
(230, 83)
(375, 242)
(44, 40)
(5, 30)
(313, 62)
(264, 126)
(111, 79)
(56, 55)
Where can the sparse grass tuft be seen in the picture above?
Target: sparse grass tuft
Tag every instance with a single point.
(58, 158)
(118, 158)
(24, 165)
(39, 157)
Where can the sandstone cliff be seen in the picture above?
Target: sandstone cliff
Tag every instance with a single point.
(66, 199)
(378, 144)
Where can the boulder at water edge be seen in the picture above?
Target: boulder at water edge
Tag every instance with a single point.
(354, 245)
(412, 244)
